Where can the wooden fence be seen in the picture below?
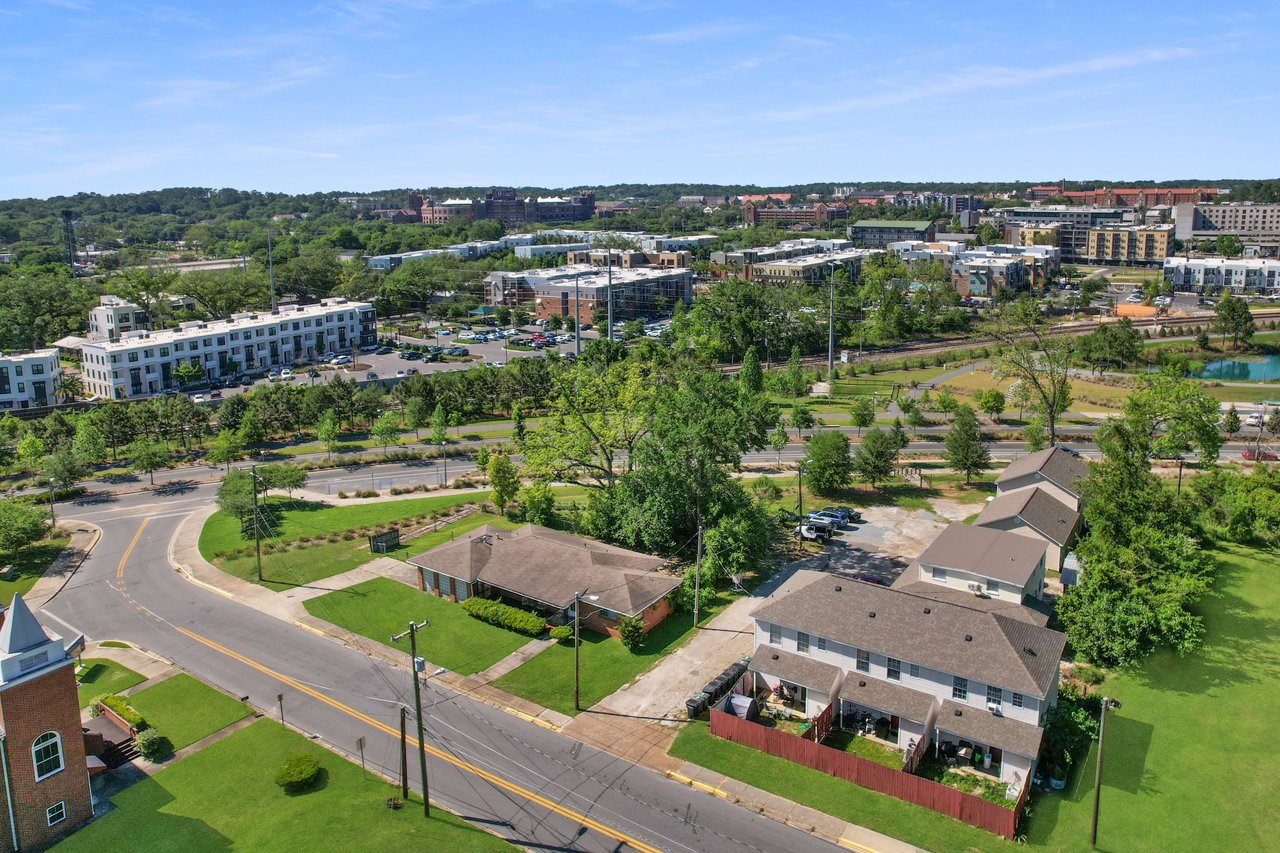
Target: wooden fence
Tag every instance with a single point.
(820, 724)
(967, 808)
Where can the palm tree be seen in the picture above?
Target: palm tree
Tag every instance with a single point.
(68, 387)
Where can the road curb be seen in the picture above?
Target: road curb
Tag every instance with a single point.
(172, 555)
(97, 536)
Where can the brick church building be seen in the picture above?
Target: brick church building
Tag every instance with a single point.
(42, 756)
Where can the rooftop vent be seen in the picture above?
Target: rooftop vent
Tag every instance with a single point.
(774, 656)
(872, 614)
(959, 713)
(1029, 650)
(968, 638)
(862, 684)
(839, 589)
(928, 610)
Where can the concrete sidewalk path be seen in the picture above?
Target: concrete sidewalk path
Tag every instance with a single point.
(83, 537)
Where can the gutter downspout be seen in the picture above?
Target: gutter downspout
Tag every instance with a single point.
(8, 789)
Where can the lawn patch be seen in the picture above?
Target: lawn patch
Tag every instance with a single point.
(31, 562)
(102, 676)
(185, 710)
(381, 607)
(225, 797)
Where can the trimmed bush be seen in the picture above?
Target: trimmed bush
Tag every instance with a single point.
(561, 632)
(298, 773)
(631, 632)
(153, 746)
(1090, 675)
(505, 616)
(121, 707)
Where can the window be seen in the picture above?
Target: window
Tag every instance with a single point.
(822, 644)
(56, 813)
(995, 695)
(993, 585)
(17, 370)
(37, 370)
(895, 669)
(133, 358)
(864, 660)
(47, 754)
(915, 670)
(775, 635)
(939, 574)
(802, 642)
(1016, 700)
(960, 688)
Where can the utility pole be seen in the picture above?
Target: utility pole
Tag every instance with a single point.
(404, 757)
(831, 325)
(609, 267)
(577, 618)
(271, 272)
(52, 520)
(257, 533)
(418, 666)
(577, 319)
(800, 490)
(697, 576)
(1097, 778)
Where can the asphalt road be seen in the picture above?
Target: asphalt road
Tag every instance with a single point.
(528, 784)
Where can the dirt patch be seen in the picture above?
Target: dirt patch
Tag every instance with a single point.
(897, 532)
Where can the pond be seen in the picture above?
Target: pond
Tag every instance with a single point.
(1265, 368)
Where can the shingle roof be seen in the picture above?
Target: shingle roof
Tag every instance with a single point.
(893, 699)
(1037, 508)
(796, 669)
(1056, 464)
(991, 647)
(549, 566)
(985, 552)
(983, 727)
(21, 630)
(1031, 610)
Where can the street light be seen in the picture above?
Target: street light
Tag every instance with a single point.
(577, 619)
(1097, 779)
(52, 519)
(831, 322)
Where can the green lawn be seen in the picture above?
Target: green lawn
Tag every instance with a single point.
(845, 800)
(606, 664)
(381, 607)
(1189, 750)
(223, 797)
(31, 562)
(102, 676)
(847, 741)
(285, 569)
(185, 710)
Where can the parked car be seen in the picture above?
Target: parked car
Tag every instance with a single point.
(273, 376)
(401, 373)
(1259, 455)
(1254, 420)
(197, 398)
(371, 375)
(411, 355)
(850, 513)
(495, 364)
(459, 351)
(312, 372)
(586, 327)
(286, 375)
(340, 360)
(830, 518)
(369, 348)
(413, 371)
(811, 533)
(215, 394)
(383, 351)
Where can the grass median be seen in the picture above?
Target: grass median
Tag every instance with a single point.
(29, 565)
(101, 676)
(185, 710)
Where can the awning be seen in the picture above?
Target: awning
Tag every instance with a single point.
(892, 699)
(981, 726)
(795, 669)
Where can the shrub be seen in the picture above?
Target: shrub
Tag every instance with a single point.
(298, 773)
(153, 746)
(366, 493)
(505, 616)
(631, 632)
(561, 632)
(342, 496)
(1090, 675)
(123, 710)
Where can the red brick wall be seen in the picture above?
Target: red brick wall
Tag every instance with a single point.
(28, 710)
(652, 615)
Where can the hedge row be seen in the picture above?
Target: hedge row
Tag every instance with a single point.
(125, 711)
(505, 616)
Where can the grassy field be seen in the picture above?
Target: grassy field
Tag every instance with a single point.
(1188, 751)
(913, 824)
(31, 562)
(102, 676)
(381, 607)
(1106, 396)
(185, 710)
(223, 797)
(899, 493)
(606, 664)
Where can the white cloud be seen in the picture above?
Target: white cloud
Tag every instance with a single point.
(701, 32)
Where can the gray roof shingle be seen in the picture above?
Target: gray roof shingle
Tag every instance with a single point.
(1056, 464)
(1037, 508)
(986, 552)
(1030, 610)
(983, 727)
(987, 646)
(550, 566)
(893, 699)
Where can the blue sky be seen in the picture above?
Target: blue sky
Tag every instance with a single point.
(125, 95)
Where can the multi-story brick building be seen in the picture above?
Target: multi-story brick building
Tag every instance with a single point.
(579, 290)
(809, 269)
(1141, 196)
(45, 770)
(29, 380)
(1137, 245)
(793, 214)
(142, 363)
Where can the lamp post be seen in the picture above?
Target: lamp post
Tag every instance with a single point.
(831, 321)
(52, 519)
(417, 666)
(1097, 779)
(577, 620)
(271, 271)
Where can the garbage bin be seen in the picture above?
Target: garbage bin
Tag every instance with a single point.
(986, 761)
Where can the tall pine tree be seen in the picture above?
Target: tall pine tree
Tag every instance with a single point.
(965, 450)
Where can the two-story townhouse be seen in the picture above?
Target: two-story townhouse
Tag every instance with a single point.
(29, 379)
(142, 363)
(1056, 470)
(983, 561)
(972, 681)
(1035, 513)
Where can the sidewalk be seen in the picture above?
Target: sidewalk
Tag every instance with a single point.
(83, 537)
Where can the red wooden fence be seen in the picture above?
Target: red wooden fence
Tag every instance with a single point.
(820, 725)
(968, 808)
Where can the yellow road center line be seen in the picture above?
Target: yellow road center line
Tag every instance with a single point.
(443, 756)
(124, 558)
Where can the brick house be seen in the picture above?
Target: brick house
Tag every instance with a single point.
(542, 568)
(42, 755)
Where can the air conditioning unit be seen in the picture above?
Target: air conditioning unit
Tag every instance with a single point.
(994, 707)
(975, 587)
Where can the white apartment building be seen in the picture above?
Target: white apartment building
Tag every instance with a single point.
(28, 380)
(961, 677)
(1211, 275)
(143, 363)
(115, 316)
